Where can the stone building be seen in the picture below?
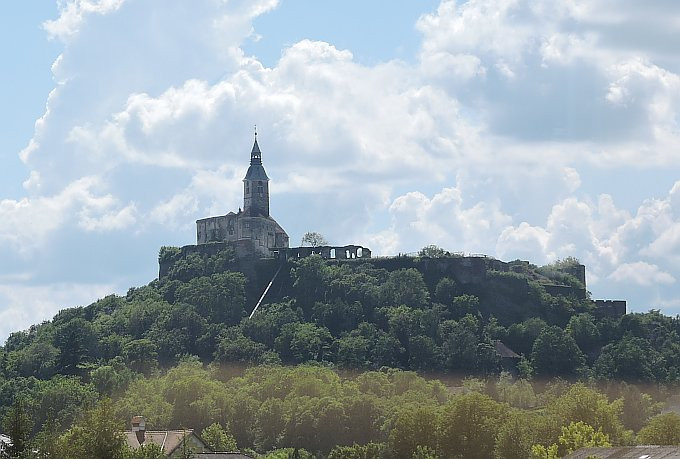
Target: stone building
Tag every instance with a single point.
(253, 223)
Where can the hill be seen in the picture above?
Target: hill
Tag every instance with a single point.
(442, 314)
(421, 313)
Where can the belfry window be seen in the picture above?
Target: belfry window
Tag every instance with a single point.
(260, 188)
(247, 187)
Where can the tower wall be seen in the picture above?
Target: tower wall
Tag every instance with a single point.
(256, 196)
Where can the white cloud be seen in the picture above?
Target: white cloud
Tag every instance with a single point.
(444, 220)
(522, 104)
(108, 220)
(24, 305)
(525, 242)
(26, 224)
(641, 273)
(72, 14)
(551, 71)
(176, 211)
(572, 179)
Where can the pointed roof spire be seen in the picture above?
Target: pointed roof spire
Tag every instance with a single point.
(255, 154)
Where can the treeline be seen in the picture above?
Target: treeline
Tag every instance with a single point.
(314, 411)
(349, 315)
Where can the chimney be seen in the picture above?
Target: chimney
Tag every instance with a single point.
(139, 427)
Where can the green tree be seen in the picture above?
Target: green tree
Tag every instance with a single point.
(46, 442)
(150, 451)
(77, 344)
(266, 325)
(367, 451)
(311, 280)
(580, 403)
(423, 452)
(630, 359)
(469, 426)
(463, 305)
(18, 424)
(521, 336)
(423, 353)
(113, 379)
(446, 290)
(140, 355)
(63, 398)
(405, 287)
(313, 239)
(337, 316)
(38, 359)
(544, 452)
(289, 453)
(176, 332)
(219, 298)
(98, 435)
(582, 328)
(516, 436)
(433, 251)
(661, 430)
(555, 353)
(414, 426)
(638, 407)
(579, 435)
(234, 347)
(460, 343)
(269, 423)
(303, 342)
(353, 350)
(218, 438)
(519, 393)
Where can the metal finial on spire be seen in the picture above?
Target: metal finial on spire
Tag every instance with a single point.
(255, 154)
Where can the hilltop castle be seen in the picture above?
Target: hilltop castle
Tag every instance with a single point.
(253, 223)
(261, 250)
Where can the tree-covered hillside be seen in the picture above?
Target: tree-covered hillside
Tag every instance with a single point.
(356, 316)
(349, 315)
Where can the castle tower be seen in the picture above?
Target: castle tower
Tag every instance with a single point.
(256, 185)
(252, 229)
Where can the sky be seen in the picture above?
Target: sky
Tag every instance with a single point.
(530, 129)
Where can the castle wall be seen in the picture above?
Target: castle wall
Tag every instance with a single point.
(610, 308)
(217, 229)
(265, 233)
(244, 250)
(345, 252)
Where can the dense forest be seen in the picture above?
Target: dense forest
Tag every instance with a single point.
(390, 363)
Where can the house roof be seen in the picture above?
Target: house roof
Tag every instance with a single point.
(628, 452)
(505, 352)
(168, 440)
(5, 442)
(220, 456)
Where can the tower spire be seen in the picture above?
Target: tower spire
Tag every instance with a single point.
(255, 154)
